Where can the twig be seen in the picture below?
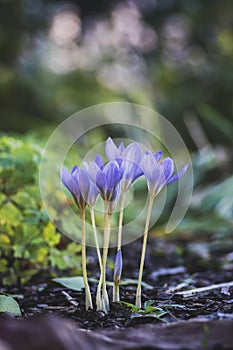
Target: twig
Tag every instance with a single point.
(190, 292)
(70, 299)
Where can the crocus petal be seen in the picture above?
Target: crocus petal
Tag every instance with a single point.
(113, 176)
(131, 164)
(69, 182)
(131, 170)
(114, 198)
(84, 182)
(74, 168)
(101, 184)
(178, 175)
(88, 189)
(133, 152)
(99, 160)
(137, 172)
(111, 150)
(153, 173)
(93, 170)
(121, 147)
(131, 173)
(158, 155)
(167, 166)
(151, 169)
(107, 180)
(80, 201)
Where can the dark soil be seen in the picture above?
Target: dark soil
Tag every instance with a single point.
(171, 266)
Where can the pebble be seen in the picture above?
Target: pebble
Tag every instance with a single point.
(6, 315)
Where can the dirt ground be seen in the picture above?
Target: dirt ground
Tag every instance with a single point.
(173, 266)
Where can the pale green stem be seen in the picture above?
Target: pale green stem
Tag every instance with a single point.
(107, 223)
(84, 263)
(99, 302)
(116, 287)
(138, 293)
(98, 292)
(116, 292)
(121, 221)
(95, 236)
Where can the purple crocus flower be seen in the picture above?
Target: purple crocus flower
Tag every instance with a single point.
(107, 180)
(128, 158)
(106, 177)
(88, 189)
(71, 181)
(131, 164)
(158, 172)
(118, 266)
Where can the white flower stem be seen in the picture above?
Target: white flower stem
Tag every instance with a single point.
(121, 221)
(138, 293)
(107, 227)
(84, 263)
(98, 292)
(116, 287)
(95, 236)
(116, 292)
(99, 303)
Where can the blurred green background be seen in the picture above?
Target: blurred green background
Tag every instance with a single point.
(57, 57)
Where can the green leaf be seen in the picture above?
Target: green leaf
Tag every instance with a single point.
(73, 248)
(24, 200)
(8, 304)
(148, 303)
(33, 192)
(152, 315)
(64, 259)
(132, 307)
(149, 308)
(2, 198)
(4, 240)
(50, 235)
(74, 283)
(3, 265)
(19, 250)
(9, 214)
(155, 310)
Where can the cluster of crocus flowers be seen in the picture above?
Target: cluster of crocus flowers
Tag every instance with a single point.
(111, 181)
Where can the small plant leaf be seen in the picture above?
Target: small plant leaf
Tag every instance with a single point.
(156, 311)
(148, 303)
(132, 307)
(74, 283)
(151, 315)
(149, 309)
(8, 304)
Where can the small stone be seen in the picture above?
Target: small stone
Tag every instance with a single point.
(6, 315)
